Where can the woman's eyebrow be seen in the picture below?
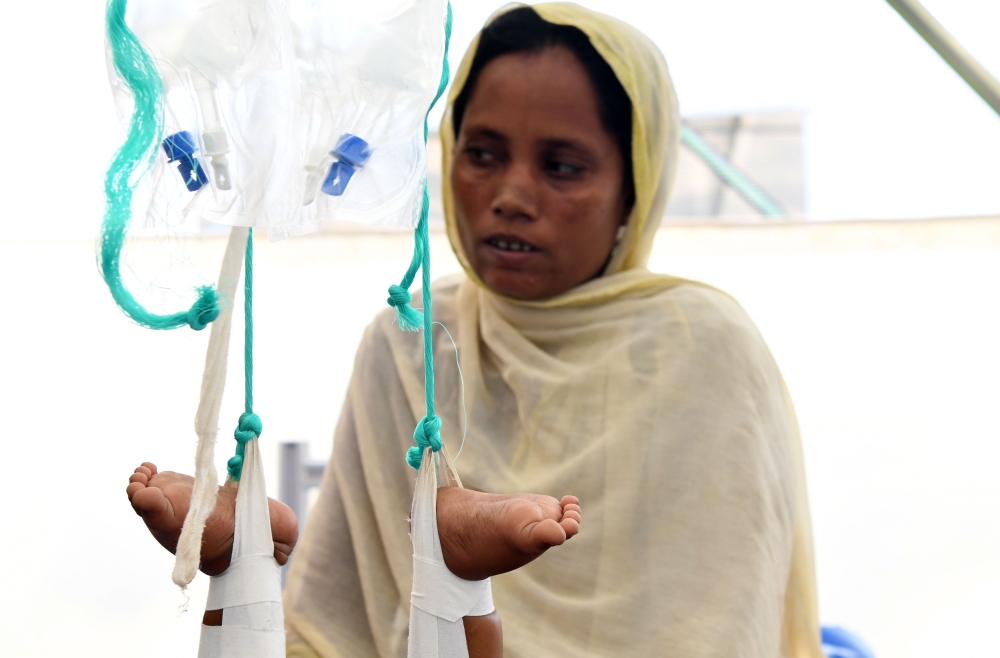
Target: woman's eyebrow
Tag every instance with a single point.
(486, 133)
(568, 144)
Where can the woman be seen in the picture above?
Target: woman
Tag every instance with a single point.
(653, 399)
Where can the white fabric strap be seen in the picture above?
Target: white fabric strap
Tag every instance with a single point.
(249, 592)
(439, 598)
(206, 423)
(443, 594)
(248, 580)
(236, 642)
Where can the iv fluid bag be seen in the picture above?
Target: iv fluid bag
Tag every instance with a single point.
(229, 150)
(282, 113)
(370, 70)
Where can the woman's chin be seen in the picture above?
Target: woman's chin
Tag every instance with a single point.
(516, 285)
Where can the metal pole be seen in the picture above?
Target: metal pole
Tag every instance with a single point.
(298, 475)
(291, 464)
(950, 50)
(292, 457)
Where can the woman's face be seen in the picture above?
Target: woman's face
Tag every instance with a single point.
(537, 179)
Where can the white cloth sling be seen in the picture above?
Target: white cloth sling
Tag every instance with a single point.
(249, 591)
(439, 599)
(206, 422)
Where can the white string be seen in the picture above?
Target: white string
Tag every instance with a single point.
(461, 384)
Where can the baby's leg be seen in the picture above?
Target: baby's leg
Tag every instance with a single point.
(483, 535)
(484, 636)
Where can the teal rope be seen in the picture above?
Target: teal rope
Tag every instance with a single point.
(249, 427)
(136, 69)
(428, 431)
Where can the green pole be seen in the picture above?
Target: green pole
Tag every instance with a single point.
(729, 174)
(921, 20)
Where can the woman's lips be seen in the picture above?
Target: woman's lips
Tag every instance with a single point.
(510, 250)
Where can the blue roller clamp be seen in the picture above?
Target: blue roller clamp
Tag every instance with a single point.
(841, 643)
(352, 153)
(180, 148)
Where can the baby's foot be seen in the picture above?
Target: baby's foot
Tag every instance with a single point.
(162, 500)
(483, 535)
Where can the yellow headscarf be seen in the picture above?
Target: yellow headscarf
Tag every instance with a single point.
(652, 399)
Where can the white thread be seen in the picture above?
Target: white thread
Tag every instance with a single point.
(461, 390)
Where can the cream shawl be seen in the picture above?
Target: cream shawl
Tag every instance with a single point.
(652, 399)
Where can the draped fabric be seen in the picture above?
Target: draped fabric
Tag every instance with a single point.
(653, 399)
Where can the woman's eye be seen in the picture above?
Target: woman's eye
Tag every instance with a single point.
(560, 168)
(481, 155)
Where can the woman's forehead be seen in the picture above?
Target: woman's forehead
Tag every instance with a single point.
(547, 95)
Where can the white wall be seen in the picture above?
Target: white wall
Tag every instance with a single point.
(886, 334)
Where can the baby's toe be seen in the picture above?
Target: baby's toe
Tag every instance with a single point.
(149, 466)
(139, 478)
(570, 526)
(547, 533)
(149, 500)
(569, 500)
(572, 514)
(132, 489)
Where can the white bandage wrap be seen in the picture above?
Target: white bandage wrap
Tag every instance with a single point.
(249, 592)
(439, 598)
(438, 591)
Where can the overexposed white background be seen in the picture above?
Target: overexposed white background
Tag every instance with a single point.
(890, 130)
(887, 336)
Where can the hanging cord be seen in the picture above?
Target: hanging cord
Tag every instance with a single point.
(461, 390)
(428, 431)
(249, 427)
(136, 69)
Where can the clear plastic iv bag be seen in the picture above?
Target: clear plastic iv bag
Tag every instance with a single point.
(229, 149)
(368, 70)
(282, 113)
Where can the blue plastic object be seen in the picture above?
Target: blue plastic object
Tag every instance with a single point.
(352, 153)
(841, 643)
(180, 148)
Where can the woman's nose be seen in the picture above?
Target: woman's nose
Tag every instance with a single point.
(517, 196)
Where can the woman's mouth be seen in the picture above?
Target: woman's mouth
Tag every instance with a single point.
(510, 244)
(510, 252)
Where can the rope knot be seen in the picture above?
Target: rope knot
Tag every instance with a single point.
(409, 318)
(249, 427)
(205, 310)
(235, 466)
(427, 434)
(398, 296)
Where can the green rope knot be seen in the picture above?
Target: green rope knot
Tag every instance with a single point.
(235, 467)
(249, 427)
(409, 318)
(427, 434)
(205, 310)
